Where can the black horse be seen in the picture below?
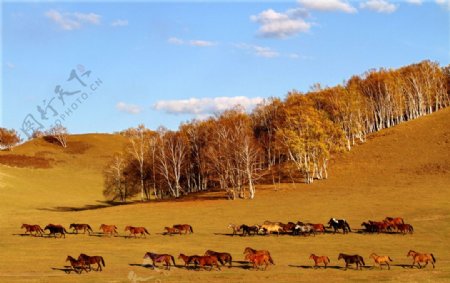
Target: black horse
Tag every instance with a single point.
(369, 228)
(339, 224)
(349, 259)
(248, 229)
(56, 229)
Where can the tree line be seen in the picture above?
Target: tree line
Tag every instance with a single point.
(281, 140)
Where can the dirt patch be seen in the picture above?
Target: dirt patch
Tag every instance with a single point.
(77, 147)
(23, 161)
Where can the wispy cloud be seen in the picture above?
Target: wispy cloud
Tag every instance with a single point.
(119, 23)
(128, 108)
(257, 50)
(281, 24)
(380, 6)
(201, 107)
(72, 21)
(444, 3)
(328, 5)
(196, 42)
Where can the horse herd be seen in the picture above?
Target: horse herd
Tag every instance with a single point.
(387, 225)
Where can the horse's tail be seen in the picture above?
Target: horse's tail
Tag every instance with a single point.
(103, 261)
(190, 229)
(145, 230)
(231, 260)
(328, 259)
(403, 222)
(362, 260)
(64, 229)
(348, 226)
(89, 228)
(432, 256)
(173, 260)
(390, 259)
(411, 228)
(270, 259)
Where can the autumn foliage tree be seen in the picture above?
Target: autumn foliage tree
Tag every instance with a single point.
(8, 138)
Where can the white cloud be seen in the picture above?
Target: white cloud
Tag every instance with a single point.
(196, 43)
(119, 23)
(128, 108)
(328, 5)
(444, 3)
(380, 6)
(202, 107)
(72, 21)
(257, 50)
(415, 2)
(281, 25)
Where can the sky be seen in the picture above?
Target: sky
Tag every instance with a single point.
(107, 66)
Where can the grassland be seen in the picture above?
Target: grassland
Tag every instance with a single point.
(403, 171)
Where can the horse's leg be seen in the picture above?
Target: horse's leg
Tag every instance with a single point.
(389, 267)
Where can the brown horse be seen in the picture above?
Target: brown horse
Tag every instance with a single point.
(222, 257)
(394, 221)
(317, 227)
(349, 259)
(77, 265)
(56, 229)
(319, 259)
(188, 259)
(184, 227)
(79, 227)
(160, 258)
(381, 260)
(258, 259)
(206, 260)
(109, 229)
(33, 228)
(170, 231)
(418, 258)
(88, 260)
(137, 230)
(251, 251)
(405, 228)
(380, 226)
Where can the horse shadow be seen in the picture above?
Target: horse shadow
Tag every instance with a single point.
(67, 269)
(228, 234)
(406, 266)
(319, 267)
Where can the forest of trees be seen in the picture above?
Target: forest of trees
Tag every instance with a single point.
(279, 141)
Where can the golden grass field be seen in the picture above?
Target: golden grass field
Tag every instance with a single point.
(403, 171)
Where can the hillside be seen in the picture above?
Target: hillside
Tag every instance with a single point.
(402, 171)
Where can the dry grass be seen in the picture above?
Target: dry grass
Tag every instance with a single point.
(400, 172)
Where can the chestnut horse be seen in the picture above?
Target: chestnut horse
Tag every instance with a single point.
(33, 228)
(137, 230)
(349, 259)
(206, 260)
(88, 260)
(184, 227)
(258, 259)
(109, 229)
(79, 227)
(381, 259)
(418, 258)
(171, 231)
(319, 259)
(56, 229)
(188, 259)
(251, 251)
(317, 227)
(77, 265)
(222, 257)
(160, 258)
(405, 228)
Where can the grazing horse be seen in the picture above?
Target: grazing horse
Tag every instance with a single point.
(160, 258)
(405, 228)
(88, 260)
(258, 259)
(33, 228)
(171, 231)
(317, 227)
(274, 227)
(136, 230)
(418, 258)
(303, 229)
(319, 259)
(206, 260)
(56, 229)
(188, 259)
(84, 227)
(109, 229)
(337, 224)
(251, 251)
(248, 229)
(77, 265)
(235, 228)
(381, 259)
(222, 257)
(349, 259)
(184, 227)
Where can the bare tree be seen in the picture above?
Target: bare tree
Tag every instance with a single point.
(59, 133)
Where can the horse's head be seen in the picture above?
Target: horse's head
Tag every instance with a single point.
(69, 258)
(340, 256)
(147, 255)
(181, 256)
(24, 226)
(411, 253)
(72, 225)
(312, 256)
(127, 228)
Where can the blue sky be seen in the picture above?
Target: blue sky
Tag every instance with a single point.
(166, 63)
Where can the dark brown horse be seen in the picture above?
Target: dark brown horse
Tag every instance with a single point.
(188, 259)
(249, 250)
(418, 258)
(249, 229)
(171, 231)
(184, 227)
(160, 258)
(79, 227)
(33, 228)
(405, 228)
(77, 265)
(137, 230)
(349, 259)
(222, 257)
(319, 259)
(56, 229)
(207, 260)
(109, 229)
(258, 259)
(88, 260)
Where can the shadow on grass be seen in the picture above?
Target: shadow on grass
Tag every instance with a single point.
(330, 267)
(67, 269)
(101, 204)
